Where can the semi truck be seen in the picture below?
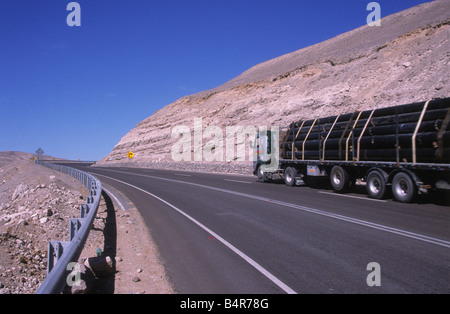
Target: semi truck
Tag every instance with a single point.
(405, 148)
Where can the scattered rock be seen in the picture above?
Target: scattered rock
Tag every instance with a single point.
(19, 191)
(101, 266)
(136, 279)
(407, 64)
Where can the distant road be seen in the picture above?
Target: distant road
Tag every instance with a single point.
(229, 234)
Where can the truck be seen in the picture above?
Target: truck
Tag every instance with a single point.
(405, 148)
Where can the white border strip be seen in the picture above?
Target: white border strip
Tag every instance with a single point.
(237, 181)
(352, 196)
(115, 199)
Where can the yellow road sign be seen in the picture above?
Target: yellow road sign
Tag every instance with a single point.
(130, 155)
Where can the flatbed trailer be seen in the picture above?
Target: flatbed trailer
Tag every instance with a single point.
(404, 147)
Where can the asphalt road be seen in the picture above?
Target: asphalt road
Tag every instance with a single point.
(220, 234)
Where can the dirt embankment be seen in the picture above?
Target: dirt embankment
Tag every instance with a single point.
(36, 205)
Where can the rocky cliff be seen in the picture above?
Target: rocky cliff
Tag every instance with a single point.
(406, 59)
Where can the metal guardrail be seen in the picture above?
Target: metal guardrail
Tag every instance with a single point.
(57, 161)
(61, 254)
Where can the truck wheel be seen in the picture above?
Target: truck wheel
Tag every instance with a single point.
(340, 179)
(376, 185)
(289, 176)
(404, 188)
(261, 175)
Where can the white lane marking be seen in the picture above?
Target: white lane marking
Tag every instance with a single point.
(115, 198)
(400, 232)
(252, 262)
(238, 181)
(182, 175)
(352, 196)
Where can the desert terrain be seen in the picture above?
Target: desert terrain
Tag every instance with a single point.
(36, 205)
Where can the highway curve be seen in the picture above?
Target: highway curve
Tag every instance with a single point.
(220, 234)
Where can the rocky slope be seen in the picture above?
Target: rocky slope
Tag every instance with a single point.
(36, 205)
(407, 59)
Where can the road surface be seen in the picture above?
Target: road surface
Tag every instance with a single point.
(220, 234)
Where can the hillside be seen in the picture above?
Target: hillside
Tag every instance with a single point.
(7, 157)
(405, 60)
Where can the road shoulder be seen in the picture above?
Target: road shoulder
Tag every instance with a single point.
(139, 268)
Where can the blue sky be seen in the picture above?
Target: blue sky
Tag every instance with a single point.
(76, 91)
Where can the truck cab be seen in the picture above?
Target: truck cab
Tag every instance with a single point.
(266, 154)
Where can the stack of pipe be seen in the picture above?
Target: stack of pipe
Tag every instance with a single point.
(417, 133)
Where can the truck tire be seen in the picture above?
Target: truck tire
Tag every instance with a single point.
(340, 179)
(261, 175)
(376, 185)
(289, 176)
(404, 188)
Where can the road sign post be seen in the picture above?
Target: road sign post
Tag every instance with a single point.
(39, 153)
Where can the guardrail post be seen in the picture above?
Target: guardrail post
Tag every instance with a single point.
(89, 199)
(84, 210)
(75, 225)
(55, 251)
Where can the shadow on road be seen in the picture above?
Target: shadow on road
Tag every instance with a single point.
(439, 198)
